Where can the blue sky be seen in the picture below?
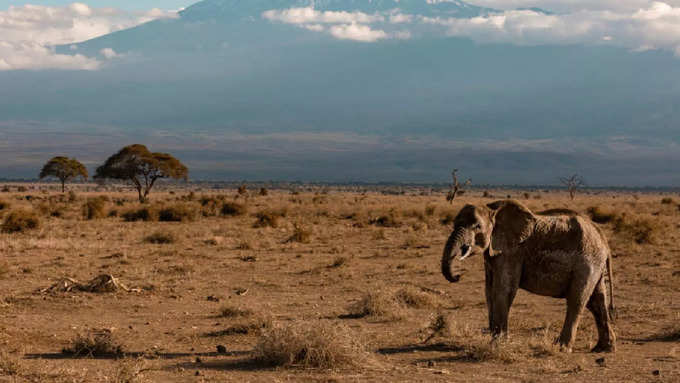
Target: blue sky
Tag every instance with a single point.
(124, 4)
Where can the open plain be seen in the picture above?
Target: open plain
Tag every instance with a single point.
(316, 284)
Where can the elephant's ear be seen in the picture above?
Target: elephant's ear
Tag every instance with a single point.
(513, 224)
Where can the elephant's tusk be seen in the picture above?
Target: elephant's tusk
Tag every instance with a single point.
(467, 253)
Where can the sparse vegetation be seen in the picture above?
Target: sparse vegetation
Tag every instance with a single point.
(233, 209)
(600, 215)
(20, 220)
(161, 238)
(177, 213)
(94, 344)
(300, 234)
(143, 213)
(311, 345)
(94, 208)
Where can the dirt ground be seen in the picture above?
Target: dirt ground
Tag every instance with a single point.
(328, 250)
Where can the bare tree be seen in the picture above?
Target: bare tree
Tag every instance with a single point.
(456, 187)
(573, 184)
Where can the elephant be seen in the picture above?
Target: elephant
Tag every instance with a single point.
(559, 254)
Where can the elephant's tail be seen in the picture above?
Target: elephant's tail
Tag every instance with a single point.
(610, 273)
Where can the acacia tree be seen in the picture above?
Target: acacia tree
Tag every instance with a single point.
(573, 183)
(456, 187)
(141, 168)
(65, 169)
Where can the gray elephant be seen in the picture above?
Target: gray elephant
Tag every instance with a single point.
(558, 254)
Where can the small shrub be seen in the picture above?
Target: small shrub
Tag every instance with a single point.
(600, 215)
(177, 213)
(256, 325)
(94, 208)
(234, 312)
(386, 220)
(263, 192)
(447, 218)
(338, 262)
(640, 229)
(416, 298)
(244, 244)
(94, 344)
(72, 196)
(380, 304)
(242, 190)
(268, 218)
(429, 210)
(161, 238)
(5, 189)
(233, 209)
(9, 365)
(300, 234)
(22, 189)
(20, 220)
(4, 205)
(311, 345)
(144, 213)
(667, 201)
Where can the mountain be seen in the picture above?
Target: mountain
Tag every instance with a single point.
(222, 71)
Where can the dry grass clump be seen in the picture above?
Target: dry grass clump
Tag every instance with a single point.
(269, 217)
(94, 208)
(311, 345)
(641, 230)
(386, 220)
(9, 365)
(20, 220)
(144, 213)
(161, 238)
(263, 192)
(416, 298)
(234, 312)
(667, 201)
(93, 344)
(51, 209)
(233, 209)
(300, 234)
(600, 215)
(177, 213)
(129, 371)
(447, 218)
(379, 304)
(256, 325)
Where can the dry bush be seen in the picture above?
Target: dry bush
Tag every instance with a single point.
(269, 217)
(439, 326)
(416, 298)
(311, 345)
(143, 213)
(234, 312)
(94, 208)
(263, 192)
(256, 325)
(386, 220)
(447, 218)
(600, 215)
(9, 365)
(379, 304)
(51, 209)
(667, 201)
(93, 344)
(20, 220)
(338, 262)
(4, 205)
(429, 210)
(161, 238)
(641, 230)
(129, 371)
(177, 213)
(300, 234)
(233, 209)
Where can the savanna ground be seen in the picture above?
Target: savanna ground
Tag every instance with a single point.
(309, 286)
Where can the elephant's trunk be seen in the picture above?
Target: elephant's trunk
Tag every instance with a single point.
(454, 243)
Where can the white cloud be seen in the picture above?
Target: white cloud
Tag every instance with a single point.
(570, 6)
(654, 27)
(109, 53)
(357, 32)
(28, 32)
(309, 15)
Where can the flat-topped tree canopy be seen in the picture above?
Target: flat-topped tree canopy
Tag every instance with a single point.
(64, 169)
(142, 168)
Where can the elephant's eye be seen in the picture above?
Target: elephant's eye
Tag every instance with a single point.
(477, 226)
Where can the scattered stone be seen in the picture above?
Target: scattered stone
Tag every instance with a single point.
(656, 372)
(601, 362)
(213, 298)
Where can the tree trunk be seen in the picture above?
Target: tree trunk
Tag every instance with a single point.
(63, 186)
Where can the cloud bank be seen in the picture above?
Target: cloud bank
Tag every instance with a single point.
(27, 33)
(634, 24)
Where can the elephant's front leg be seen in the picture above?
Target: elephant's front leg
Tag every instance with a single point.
(505, 280)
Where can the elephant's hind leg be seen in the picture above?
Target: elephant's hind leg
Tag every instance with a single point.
(578, 295)
(598, 306)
